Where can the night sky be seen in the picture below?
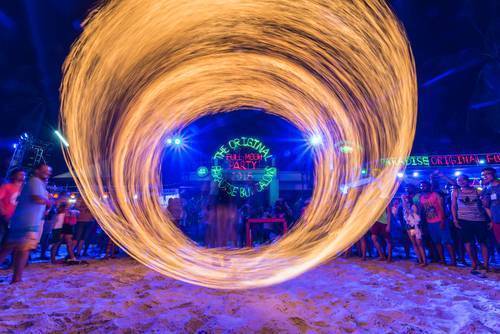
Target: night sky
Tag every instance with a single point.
(456, 46)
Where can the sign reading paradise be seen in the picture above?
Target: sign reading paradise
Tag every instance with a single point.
(450, 160)
(243, 166)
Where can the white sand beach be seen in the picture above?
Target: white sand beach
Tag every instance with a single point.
(343, 296)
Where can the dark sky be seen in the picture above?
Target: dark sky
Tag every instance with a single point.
(456, 45)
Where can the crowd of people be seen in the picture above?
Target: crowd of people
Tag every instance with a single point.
(431, 220)
(437, 225)
(34, 221)
(220, 221)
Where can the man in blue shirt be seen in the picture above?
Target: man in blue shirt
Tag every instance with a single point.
(26, 223)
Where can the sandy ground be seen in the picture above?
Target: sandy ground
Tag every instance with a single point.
(344, 296)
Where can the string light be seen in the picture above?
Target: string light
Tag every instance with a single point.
(137, 72)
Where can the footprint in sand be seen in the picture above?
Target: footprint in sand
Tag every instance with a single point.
(359, 295)
(269, 330)
(19, 305)
(107, 295)
(143, 295)
(109, 314)
(184, 305)
(193, 325)
(14, 306)
(128, 303)
(320, 324)
(281, 308)
(85, 315)
(54, 295)
(23, 326)
(234, 310)
(148, 309)
(300, 323)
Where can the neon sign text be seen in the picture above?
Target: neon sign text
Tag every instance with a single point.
(236, 161)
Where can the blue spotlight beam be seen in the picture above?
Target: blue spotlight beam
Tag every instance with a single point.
(484, 104)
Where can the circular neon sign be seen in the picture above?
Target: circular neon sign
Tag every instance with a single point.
(243, 166)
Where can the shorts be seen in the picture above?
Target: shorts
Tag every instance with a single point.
(415, 232)
(496, 232)
(28, 241)
(438, 235)
(379, 229)
(67, 229)
(56, 235)
(471, 231)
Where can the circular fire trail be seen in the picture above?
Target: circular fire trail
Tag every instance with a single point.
(142, 69)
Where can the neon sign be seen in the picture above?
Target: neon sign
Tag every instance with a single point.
(243, 166)
(410, 161)
(450, 160)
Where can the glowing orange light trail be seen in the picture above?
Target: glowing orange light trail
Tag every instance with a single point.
(340, 69)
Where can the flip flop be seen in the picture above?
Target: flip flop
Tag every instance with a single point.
(478, 273)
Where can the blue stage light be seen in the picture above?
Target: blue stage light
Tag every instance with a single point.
(401, 175)
(457, 173)
(416, 174)
(315, 140)
(202, 171)
(177, 143)
(482, 162)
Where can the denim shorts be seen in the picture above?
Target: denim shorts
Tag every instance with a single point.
(438, 235)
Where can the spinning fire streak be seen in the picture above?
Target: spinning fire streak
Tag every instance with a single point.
(143, 69)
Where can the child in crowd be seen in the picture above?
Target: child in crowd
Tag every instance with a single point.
(412, 219)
